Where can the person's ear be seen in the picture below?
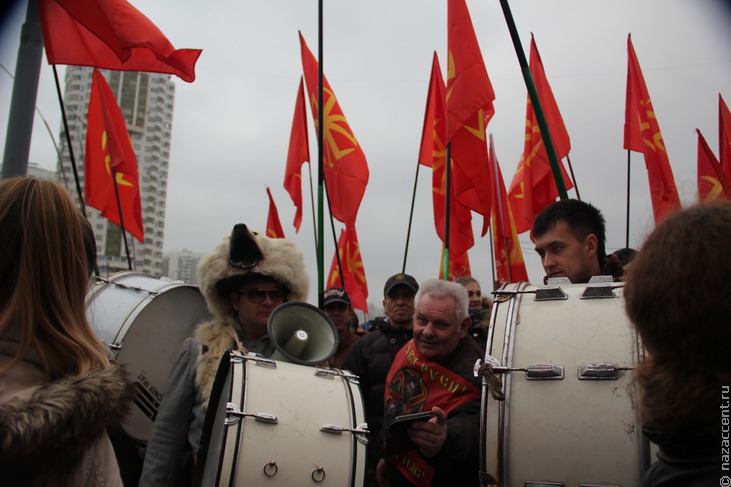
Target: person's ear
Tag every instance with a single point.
(591, 244)
(465, 327)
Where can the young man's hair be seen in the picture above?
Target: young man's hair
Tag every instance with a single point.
(582, 218)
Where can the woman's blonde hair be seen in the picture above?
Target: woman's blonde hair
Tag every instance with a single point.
(47, 252)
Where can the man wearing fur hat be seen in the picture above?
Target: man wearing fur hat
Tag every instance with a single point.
(243, 280)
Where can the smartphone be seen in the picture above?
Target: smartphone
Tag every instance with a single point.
(397, 440)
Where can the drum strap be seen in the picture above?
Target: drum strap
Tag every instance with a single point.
(493, 381)
(413, 385)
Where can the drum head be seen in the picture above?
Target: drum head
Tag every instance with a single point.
(210, 455)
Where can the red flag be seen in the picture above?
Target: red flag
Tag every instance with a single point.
(345, 166)
(110, 157)
(433, 153)
(110, 34)
(459, 265)
(353, 272)
(642, 134)
(298, 154)
(713, 184)
(724, 136)
(509, 264)
(274, 227)
(533, 187)
(469, 109)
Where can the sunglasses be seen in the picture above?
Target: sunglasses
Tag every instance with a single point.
(259, 295)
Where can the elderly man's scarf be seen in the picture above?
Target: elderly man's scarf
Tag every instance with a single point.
(415, 384)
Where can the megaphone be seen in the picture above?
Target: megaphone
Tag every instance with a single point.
(302, 334)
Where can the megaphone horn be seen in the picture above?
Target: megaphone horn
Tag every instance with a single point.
(301, 334)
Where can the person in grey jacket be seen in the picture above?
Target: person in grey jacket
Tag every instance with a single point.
(243, 280)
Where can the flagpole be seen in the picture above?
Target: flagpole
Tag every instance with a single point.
(501, 220)
(320, 158)
(411, 216)
(68, 142)
(447, 195)
(312, 199)
(535, 101)
(335, 239)
(626, 238)
(573, 178)
(121, 218)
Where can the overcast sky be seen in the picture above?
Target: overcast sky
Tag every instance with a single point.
(231, 126)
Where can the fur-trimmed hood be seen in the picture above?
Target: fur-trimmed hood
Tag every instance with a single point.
(251, 252)
(48, 434)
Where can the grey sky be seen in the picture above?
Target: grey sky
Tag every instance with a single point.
(231, 126)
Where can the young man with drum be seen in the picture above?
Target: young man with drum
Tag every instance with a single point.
(569, 237)
(243, 280)
(434, 373)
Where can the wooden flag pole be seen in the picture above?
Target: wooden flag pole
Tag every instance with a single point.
(121, 218)
(626, 234)
(447, 196)
(535, 101)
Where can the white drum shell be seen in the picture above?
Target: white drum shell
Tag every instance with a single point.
(290, 451)
(144, 321)
(571, 432)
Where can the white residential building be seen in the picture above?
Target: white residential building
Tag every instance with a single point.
(146, 100)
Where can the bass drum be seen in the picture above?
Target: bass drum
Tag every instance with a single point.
(144, 321)
(566, 354)
(277, 423)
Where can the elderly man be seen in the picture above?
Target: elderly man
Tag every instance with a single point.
(435, 372)
(243, 280)
(372, 355)
(569, 237)
(338, 308)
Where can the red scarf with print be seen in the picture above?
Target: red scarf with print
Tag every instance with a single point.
(415, 384)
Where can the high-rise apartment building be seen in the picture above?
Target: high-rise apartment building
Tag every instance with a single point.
(146, 100)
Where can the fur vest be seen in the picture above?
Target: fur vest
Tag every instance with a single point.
(44, 439)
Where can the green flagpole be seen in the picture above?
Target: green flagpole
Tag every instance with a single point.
(320, 174)
(533, 93)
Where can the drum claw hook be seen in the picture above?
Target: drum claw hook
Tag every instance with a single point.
(490, 377)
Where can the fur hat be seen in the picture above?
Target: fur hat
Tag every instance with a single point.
(247, 254)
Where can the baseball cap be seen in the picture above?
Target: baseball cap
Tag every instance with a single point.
(335, 294)
(400, 279)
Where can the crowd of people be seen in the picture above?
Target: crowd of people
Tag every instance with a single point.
(419, 357)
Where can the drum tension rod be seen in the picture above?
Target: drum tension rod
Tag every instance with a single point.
(233, 410)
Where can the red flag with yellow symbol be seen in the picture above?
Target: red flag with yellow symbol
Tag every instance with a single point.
(433, 153)
(298, 154)
(724, 136)
(345, 167)
(713, 184)
(469, 108)
(642, 134)
(274, 226)
(110, 159)
(110, 34)
(533, 187)
(509, 264)
(353, 272)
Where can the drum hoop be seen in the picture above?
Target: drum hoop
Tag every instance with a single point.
(348, 385)
(224, 367)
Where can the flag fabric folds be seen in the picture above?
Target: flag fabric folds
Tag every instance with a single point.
(713, 184)
(724, 136)
(642, 134)
(298, 154)
(533, 187)
(274, 226)
(110, 34)
(433, 154)
(469, 108)
(345, 167)
(509, 263)
(353, 271)
(109, 160)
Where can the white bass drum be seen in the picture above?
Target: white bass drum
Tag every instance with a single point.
(566, 354)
